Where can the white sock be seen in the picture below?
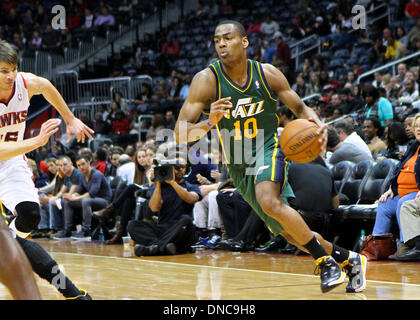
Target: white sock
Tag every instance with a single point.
(18, 233)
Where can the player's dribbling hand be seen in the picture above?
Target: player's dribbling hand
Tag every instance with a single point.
(48, 128)
(218, 109)
(78, 128)
(323, 134)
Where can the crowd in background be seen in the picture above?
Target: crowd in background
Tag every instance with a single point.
(371, 120)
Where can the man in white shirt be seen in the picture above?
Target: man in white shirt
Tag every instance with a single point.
(345, 131)
(126, 168)
(269, 27)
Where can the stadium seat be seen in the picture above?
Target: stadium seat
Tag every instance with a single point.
(342, 172)
(352, 187)
(376, 182)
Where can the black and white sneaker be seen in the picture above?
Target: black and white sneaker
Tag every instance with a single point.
(356, 270)
(331, 273)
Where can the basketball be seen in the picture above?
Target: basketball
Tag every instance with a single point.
(299, 141)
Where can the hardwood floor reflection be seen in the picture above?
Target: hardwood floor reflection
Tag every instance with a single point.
(110, 272)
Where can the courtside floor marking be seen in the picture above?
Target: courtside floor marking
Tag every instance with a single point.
(223, 268)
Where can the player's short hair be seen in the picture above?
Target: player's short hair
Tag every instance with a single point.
(7, 53)
(237, 24)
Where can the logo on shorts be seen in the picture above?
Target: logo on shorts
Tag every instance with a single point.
(19, 96)
(257, 84)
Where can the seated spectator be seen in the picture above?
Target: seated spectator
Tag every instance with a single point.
(242, 224)
(321, 27)
(269, 27)
(391, 48)
(130, 68)
(226, 9)
(284, 53)
(93, 193)
(269, 52)
(300, 87)
(341, 151)
(51, 40)
(347, 134)
(396, 140)
(100, 126)
(378, 79)
(412, 74)
(170, 120)
(126, 168)
(172, 201)
(71, 182)
(413, 35)
(121, 130)
(88, 22)
(309, 190)
(404, 185)
(412, 9)
(376, 105)
(100, 158)
(350, 103)
(39, 178)
(206, 212)
(372, 131)
(45, 194)
(125, 203)
(170, 48)
(254, 27)
(66, 38)
(410, 230)
(158, 123)
(111, 171)
(36, 41)
(409, 93)
(408, 123)
(105, 18)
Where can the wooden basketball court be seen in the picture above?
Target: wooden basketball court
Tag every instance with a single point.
(112, 272)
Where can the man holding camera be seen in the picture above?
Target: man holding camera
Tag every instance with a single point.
(172, 201)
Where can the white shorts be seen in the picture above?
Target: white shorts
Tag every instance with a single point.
(16, 184)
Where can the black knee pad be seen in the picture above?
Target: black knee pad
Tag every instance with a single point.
(28, 216)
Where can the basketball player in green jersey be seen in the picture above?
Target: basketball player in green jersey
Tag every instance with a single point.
(239, 95)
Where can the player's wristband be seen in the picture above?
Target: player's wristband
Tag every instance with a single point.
(208, 123)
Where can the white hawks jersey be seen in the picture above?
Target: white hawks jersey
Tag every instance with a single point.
(13, 113)
(16, 183)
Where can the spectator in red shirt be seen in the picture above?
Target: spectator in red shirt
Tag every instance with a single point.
(121, 130)
(412, 9)
(120, 125)
(170, 47)
(73, 20)
(255, 27)
(283, 50)
(100, 158)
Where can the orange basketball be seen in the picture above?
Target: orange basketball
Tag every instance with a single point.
(299, 141)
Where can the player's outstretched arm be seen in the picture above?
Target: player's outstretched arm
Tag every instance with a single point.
(201, 94)
(12, 149)
(38, 85)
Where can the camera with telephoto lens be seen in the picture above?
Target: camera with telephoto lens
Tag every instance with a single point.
(164, 169)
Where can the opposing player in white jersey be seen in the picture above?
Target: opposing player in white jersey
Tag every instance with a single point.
(15, 269)
(17, 191)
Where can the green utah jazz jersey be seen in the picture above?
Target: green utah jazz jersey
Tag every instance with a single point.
(252, 122)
